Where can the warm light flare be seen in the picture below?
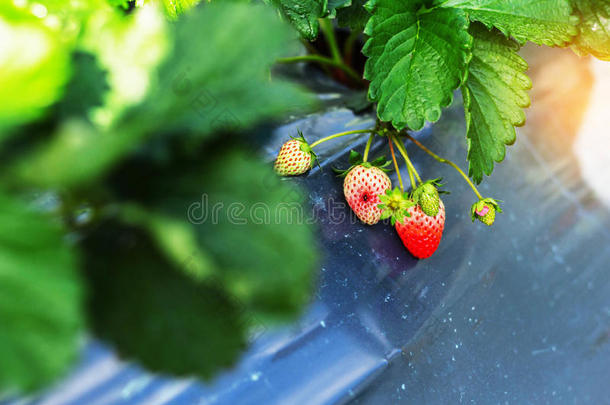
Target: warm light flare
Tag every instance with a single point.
(592, 146)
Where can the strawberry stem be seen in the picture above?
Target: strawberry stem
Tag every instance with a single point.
(323, 60)
(405, 155)
(396, 165)
(328, 138)
(367, 148)
(446, 161)
(331, 40)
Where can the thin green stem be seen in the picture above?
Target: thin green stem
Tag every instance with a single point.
(405, 155)
(313, 51)
(409, 170)
(324, 61)
(404, 150)
(411, 178)
(348, 47)
(367, 148)
(328, 138)
(402, 188)
(446, 161)
(329, 34)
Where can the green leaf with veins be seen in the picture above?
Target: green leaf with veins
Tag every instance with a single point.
(544, 22)
(303, 14)
(152, 312)
(594, 36)
(355, 16)
(416, 58)
(494, 95)
(40, 299)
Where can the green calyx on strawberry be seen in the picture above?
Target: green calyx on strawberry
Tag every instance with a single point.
(485, 210)
(395, 205)
(356, 159)
(427, 196)
(295, 157)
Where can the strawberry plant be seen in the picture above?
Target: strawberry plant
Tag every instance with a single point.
(122, 116)
(417, 54)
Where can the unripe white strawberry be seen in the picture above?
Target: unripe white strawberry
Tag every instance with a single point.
(295, 158)
(362, 187)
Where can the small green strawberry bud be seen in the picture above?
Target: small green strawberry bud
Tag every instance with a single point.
(485, 211)
(487, 215)
(429, 200)
(426, 196)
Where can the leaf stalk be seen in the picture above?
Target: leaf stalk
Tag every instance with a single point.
(340, 134)
(446, 161)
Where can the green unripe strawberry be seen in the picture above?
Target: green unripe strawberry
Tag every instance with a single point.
(485, 211)
(427, 197)
(428, 200)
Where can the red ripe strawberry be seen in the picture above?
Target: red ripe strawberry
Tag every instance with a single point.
(362, 186)
(420, 233)
(295, 158)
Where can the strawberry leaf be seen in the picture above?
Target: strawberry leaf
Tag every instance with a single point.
(198, 98)
(233, 203)
(152, 312)
(30, 81)
(594, 36)
(336, 5)
(355, 16)
(303, 14)
(544, 22)
(40, 299)
(494, 95)
(417, 57)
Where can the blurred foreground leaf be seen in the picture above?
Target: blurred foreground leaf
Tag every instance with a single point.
(130, 48)
(77, 154)
(86, 88)
(30, 81)
(173, 8)
(153, 313)
(210, 84)
(40, 299)
(249, 225)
